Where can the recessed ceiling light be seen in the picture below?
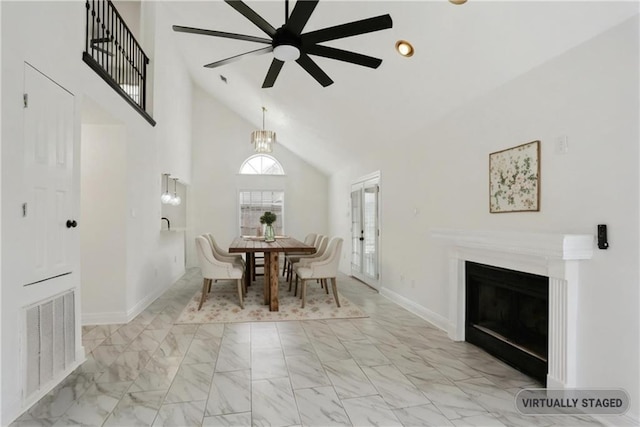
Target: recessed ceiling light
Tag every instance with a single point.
(458, 1)
(404, 48)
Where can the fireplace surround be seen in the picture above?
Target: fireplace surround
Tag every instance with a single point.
(556, 256)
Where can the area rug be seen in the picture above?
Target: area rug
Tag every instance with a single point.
(222, 305)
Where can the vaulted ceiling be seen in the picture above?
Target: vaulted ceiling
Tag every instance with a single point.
(461, 53)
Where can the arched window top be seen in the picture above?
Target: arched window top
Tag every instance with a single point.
(261, 164)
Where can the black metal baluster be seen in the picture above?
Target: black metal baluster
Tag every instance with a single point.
(119, 60)
(139, 91)
(93, 27)
(86, 40)
(101, 15)
(111, 50)
(143, 89)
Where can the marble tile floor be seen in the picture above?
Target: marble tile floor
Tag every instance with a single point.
(391, 369)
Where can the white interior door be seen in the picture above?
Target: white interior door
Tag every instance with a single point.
(48, 139)
(365, 230)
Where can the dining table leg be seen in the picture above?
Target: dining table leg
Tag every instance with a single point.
(248, 269)
(267, 287)
(271, 278)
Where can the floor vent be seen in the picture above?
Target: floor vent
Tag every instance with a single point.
(50, 340)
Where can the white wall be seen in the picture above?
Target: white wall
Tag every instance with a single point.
(102, 230)
(172, 104)
(144, 263)
(220, 146)
(589, 94)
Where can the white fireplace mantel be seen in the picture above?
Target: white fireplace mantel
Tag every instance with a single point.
(556, 256)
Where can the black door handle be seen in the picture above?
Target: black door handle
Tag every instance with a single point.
(71, 223)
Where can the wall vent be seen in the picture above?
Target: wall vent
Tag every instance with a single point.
(49, 340)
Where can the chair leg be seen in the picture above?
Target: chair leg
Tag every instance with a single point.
(209, 287)
(288, 277)
(244, 286)
(205, 284)
(303, 290)
(240, 293)
(284, 267)
(295, 292)
(334, 287)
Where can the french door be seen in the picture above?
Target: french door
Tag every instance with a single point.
(365, 231)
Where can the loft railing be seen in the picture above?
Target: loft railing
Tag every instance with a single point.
(112, 51)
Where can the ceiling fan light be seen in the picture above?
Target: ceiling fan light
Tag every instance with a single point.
(286, 52)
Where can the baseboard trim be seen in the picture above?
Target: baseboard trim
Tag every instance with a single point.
(119, 317)
(435, 319)
(107, 318)
(146, 301)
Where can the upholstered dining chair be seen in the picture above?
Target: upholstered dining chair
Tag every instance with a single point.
(326, 268)
(310, 239)
(296, 257)
(214, 269)
(223, 255)
(321, 247)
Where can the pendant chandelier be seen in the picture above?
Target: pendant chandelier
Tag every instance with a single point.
(168, 198)
(263, 140)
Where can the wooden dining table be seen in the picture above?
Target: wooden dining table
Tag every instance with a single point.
(251, 245)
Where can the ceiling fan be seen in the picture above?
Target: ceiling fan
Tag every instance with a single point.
(288, 43)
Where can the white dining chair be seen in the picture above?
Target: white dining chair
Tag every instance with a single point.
(326, 268)
(223, 255)
(310, 239)
(296, 257)
(214, 269)
(321, 247)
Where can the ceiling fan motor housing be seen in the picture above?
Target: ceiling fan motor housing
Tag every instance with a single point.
(286, 45)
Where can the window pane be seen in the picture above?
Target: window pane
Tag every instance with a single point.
(261, 164)
(253, 204)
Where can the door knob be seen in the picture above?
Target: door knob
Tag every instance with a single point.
(71, 223)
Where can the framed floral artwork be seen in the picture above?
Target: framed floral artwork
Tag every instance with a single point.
(514, 179)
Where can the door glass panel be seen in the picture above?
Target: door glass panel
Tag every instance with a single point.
(356, 231)
(370, 217)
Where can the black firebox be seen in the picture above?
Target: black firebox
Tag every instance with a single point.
(507, 314)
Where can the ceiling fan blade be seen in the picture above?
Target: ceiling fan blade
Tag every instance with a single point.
(238, 57)
(300, 15)
(272, 74)
(252, 16)
(312, 68)
(354, 28)
(203, 32)
(344, 55)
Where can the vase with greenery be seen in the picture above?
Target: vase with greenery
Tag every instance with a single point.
(268, 218)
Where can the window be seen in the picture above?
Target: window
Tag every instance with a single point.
(261, 164)
(255, 203)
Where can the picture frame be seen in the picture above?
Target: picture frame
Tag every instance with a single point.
(514, 179)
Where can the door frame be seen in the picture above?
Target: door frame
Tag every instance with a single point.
(363, 180)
